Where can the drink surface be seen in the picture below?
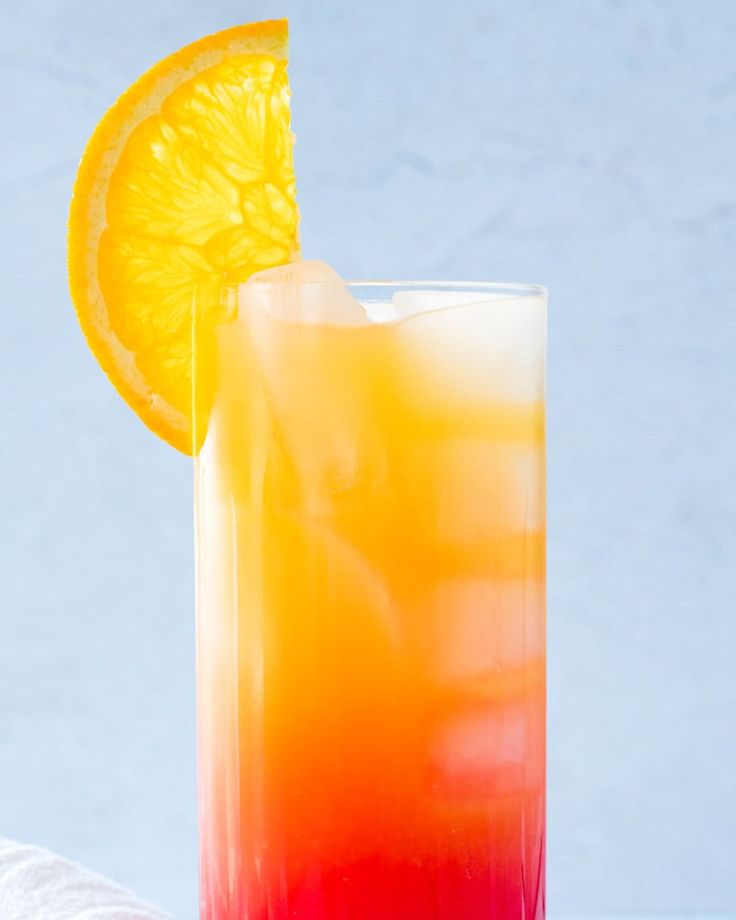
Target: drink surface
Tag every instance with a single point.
(371, 642)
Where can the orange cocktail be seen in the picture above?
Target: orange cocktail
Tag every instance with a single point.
(370, 513)
(371, 639)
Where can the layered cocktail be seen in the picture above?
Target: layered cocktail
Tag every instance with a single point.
(370, 513)
(370, 547)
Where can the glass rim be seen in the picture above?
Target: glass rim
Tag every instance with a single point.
(509, 289)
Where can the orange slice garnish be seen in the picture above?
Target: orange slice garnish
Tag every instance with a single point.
(186, 184)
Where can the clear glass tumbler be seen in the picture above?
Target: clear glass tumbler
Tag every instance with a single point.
(370, 525)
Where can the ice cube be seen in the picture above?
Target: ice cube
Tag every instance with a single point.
(319, 359)
(467, 494)
(302, 292)
(472, 627)
(467, 347)
(489, 751)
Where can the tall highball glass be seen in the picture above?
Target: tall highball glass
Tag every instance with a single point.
(370, 540)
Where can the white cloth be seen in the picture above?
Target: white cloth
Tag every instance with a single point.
(35, 884)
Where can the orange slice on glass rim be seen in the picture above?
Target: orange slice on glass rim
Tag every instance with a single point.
(186, 185)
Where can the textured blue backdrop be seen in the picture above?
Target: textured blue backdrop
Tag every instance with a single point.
(587, 145)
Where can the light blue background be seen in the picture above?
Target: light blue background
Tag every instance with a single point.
(590, 146)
